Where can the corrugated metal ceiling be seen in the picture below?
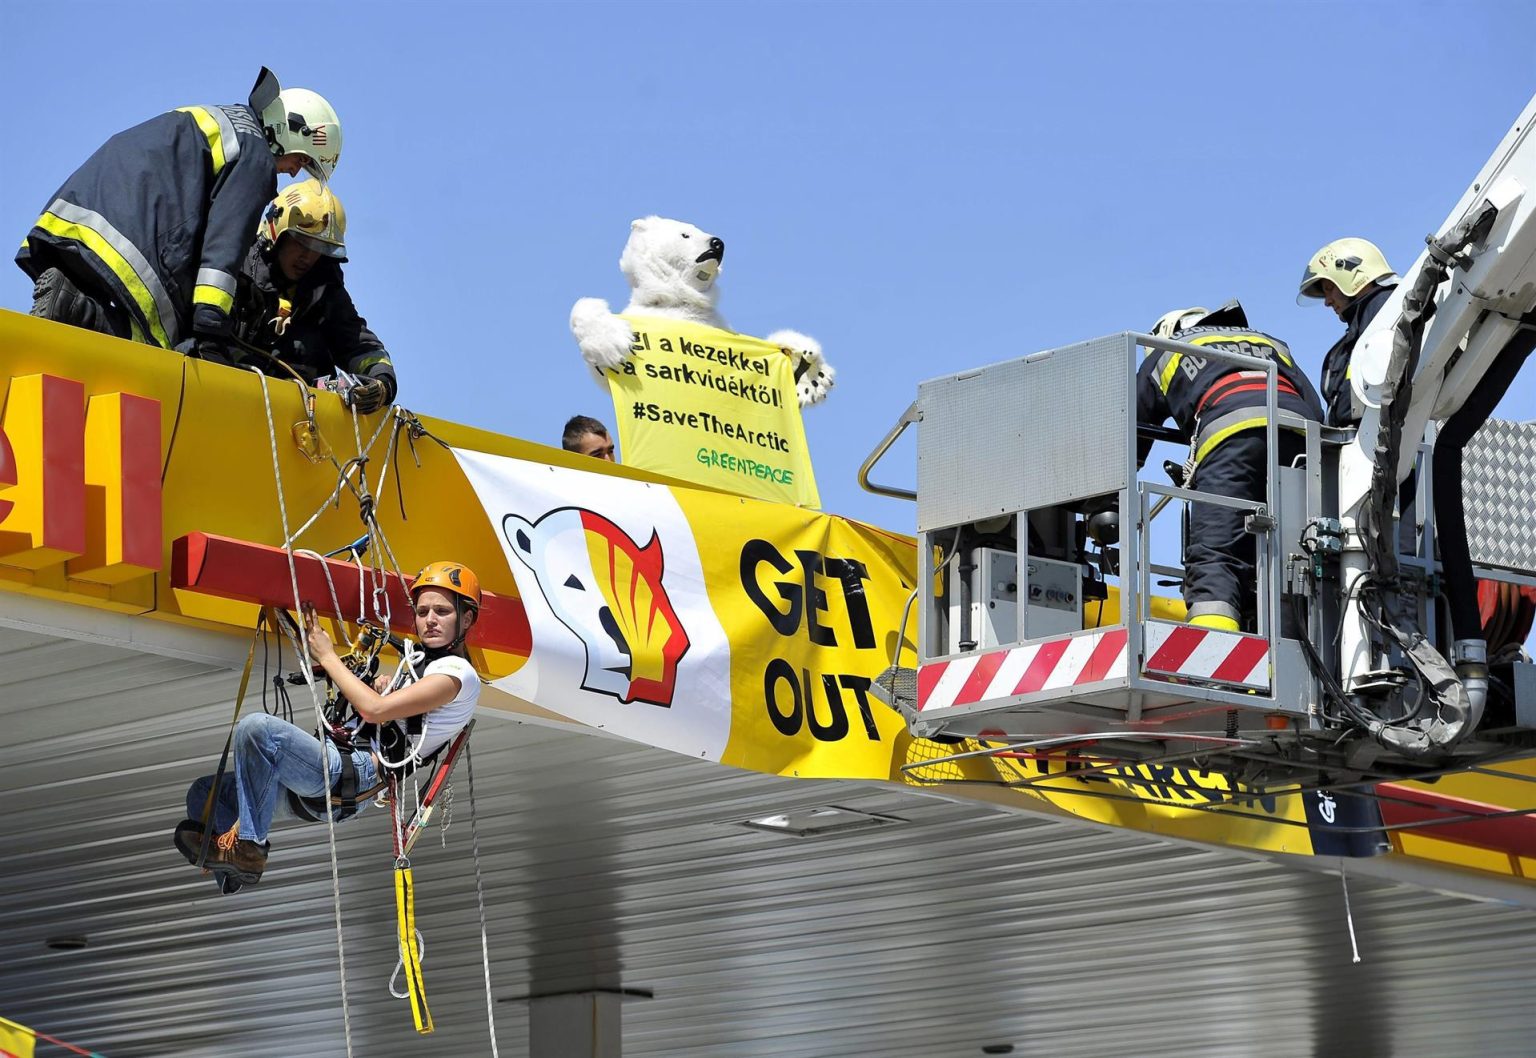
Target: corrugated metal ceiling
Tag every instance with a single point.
(609, 865)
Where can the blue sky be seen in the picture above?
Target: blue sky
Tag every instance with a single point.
(922, 187)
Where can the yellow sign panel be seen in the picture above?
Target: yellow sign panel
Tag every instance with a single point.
(712, 407)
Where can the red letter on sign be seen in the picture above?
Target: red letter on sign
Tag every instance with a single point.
(7, 472)
(45, 520)
(122, 472)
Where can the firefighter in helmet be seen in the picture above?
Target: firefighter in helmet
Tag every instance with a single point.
(1221, 406)
(1352, 277)
(144, 240)
(292, 301)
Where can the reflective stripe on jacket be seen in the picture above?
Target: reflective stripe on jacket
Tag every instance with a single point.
(160, 217)
(1212, 399)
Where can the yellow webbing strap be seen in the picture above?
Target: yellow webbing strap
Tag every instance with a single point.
(245, 682)
(410, 953)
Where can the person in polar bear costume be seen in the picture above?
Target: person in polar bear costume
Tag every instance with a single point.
(672, 267)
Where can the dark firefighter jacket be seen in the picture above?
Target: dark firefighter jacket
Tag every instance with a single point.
(1338, 396)
(1212, 399)
(161, 216)
(324, 331)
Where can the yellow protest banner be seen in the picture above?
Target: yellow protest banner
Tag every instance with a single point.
(750, 633)
(713, 407)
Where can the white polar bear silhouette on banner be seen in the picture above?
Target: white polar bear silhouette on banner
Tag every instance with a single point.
(619, 608)
(672, 267)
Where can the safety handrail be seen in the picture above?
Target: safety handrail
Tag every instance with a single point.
(908, 417)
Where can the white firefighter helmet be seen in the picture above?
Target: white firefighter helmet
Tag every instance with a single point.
(1229, 315)
(1171, 323)
(1349, 264)
(298, 121)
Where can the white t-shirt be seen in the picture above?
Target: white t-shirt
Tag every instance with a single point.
(448, 720)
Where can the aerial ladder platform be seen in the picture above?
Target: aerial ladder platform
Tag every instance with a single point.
(1045, 558)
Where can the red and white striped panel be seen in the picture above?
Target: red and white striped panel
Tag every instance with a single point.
(1206, 654)
(1071, 661)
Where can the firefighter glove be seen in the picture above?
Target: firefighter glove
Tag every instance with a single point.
(368, 396)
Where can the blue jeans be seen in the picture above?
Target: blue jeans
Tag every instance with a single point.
(270, 757)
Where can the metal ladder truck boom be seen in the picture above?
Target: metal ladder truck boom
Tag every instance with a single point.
(1477, 279)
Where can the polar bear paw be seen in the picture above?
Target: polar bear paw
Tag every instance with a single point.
(605, 340)
(814, 377)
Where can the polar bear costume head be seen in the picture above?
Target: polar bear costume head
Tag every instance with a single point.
(672, 265)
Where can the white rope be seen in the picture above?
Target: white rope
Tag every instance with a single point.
(342, 468)
(1349, 917)
(331, 585)
(405, 671)
(485, 945)
(309, 679)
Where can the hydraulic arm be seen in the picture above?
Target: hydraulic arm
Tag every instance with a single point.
(1467, 302)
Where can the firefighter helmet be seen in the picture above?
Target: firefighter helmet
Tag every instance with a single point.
(1349, 264)
(1229, 315)
(311, 213)
(451, 577)
(1171, 323)
(298, 121)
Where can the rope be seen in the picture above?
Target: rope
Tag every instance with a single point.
(485, 944)
(1349, 917)
(309, 680)
(405, 672)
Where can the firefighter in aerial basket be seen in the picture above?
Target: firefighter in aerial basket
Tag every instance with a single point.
(1352, 277)
(277, 766)
(1222, 407)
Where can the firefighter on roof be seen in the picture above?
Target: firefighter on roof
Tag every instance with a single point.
(1221, 406)
(145, 239)
(293, 303)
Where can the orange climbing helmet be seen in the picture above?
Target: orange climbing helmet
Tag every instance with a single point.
(452, 577)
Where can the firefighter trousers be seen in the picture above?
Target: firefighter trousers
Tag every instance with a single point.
(1219, 553)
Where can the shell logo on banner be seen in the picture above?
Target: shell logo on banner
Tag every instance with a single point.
(609, 591)
(624, 636)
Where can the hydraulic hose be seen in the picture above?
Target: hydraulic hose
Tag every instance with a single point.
(1458, 697)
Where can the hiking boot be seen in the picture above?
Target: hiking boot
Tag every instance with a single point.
(230, 854)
